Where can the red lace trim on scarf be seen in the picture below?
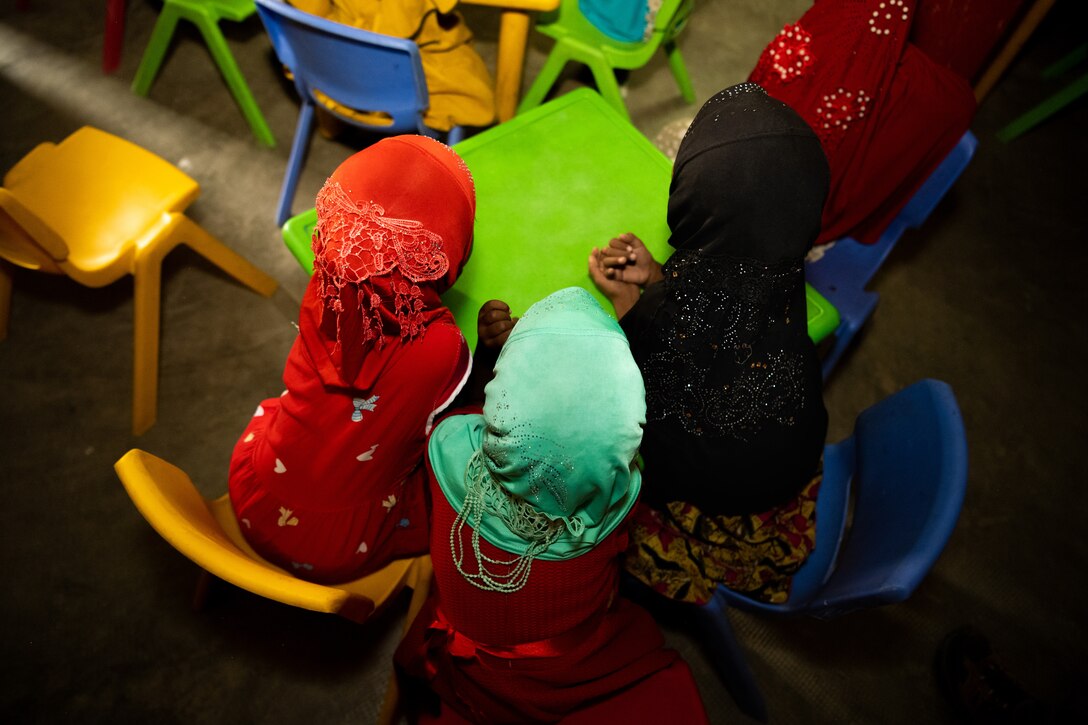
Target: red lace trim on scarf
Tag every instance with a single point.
(354, 242)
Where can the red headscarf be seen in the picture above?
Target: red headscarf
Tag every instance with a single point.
(394, 230)
(886, 114)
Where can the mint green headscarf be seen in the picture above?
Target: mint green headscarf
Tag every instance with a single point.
(548, 470)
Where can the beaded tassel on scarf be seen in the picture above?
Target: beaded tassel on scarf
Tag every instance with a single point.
(485, 497)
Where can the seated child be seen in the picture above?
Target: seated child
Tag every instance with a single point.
(327, 479)
(735, 415)
(885, 112)
(530, 498)
(459, 86)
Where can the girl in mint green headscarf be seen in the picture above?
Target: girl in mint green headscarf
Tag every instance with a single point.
(530, 497)
(547, 470)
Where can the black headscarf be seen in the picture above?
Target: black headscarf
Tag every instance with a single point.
(735, 416)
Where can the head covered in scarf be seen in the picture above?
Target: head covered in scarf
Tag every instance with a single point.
(394, 230)
(734, 409)
(548, 470)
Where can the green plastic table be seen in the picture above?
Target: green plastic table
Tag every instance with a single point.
(551, 184)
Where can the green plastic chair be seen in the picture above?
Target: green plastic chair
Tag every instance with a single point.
(550, 185)
(577, 39)
(205, 15)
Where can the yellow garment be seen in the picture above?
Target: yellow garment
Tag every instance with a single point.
(685, 554)
(460, 87)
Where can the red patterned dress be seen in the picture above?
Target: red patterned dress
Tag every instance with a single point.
(327, 480)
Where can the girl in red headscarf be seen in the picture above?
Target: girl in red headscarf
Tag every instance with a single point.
(326, 479)
(886, 113)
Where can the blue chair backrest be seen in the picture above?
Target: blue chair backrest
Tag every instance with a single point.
(843, 270)
(362, 70)
(910, 479)
(904, 469)
(918, 209)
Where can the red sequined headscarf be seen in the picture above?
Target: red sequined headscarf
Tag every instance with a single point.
(394, 230)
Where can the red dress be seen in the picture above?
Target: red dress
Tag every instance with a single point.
(562, 642)
(886, 114)
(327, 480)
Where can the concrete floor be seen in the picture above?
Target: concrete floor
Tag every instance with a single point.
(97, 625)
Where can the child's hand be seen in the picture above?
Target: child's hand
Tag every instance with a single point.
(626, 259)
(623, 295)
(493, 324)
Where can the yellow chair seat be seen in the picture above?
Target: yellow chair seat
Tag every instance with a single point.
(96, 207)
(207, 532)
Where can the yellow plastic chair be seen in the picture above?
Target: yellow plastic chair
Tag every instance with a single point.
(207, 532)
(96, 207)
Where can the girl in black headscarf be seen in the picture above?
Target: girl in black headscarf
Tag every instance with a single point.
(735, 418)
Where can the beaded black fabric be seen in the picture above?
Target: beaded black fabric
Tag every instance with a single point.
(735, 416)
(705, 375)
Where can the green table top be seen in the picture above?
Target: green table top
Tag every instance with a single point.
(551, 184)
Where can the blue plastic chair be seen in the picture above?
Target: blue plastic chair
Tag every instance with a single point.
(905, 466)
(357, 68)
(842, 273)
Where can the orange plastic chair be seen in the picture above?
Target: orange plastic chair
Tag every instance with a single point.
(207, 532)
(96, 207)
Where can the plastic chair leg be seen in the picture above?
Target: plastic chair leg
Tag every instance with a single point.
(843, 335)
(200, 241)
(728, 658)
(147, 275)
(1067, 63)
(156, 49)
(204, 583)
(859, 311)
(605, 77)
(679, 71)
(513, 37)
(421, 589)
(547, 77)
(294, 161)
(1045, 110)
(114, 38)
(217, 44)
(6, 273)
(147, 299)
